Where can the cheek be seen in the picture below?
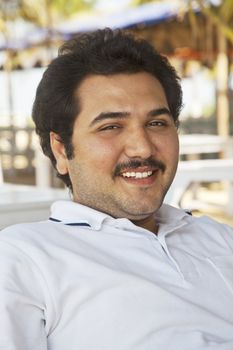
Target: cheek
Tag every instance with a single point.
(169, 148)
(99, 153)
(174, 145)
(174, 149)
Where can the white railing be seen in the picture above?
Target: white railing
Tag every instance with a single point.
(207, 170)
(196, 171)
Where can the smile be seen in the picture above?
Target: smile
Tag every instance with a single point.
(137, 175)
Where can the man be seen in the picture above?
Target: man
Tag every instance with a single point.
(114, 268)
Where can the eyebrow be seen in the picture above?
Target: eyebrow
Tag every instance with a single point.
(122, 115)
(109, 115)
(159, 111)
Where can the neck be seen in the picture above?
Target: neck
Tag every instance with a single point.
(148, 223)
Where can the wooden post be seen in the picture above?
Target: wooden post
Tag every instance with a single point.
(223, 113)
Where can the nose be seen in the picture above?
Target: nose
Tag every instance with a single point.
(139, 144)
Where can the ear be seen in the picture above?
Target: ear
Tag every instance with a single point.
(59, 153)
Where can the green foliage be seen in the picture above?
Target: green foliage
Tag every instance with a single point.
(221, 16)
(141, 2)
(68, 7)
(226, 10)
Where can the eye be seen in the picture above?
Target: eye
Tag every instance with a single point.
(110, 127)
(157, 123)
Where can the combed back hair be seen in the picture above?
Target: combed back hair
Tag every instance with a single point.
(105, 52)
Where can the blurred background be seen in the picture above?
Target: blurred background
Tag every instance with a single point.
(195, 35)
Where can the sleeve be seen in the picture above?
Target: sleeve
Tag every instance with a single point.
(22, 309)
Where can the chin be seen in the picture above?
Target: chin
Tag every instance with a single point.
(141, 212)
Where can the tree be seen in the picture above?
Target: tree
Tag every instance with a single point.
(40, 12)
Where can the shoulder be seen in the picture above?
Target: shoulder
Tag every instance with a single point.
(23, 230)
(26, 237)
(214, 230)
(209, 237)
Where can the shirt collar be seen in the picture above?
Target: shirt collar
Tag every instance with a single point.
(170, 215)
(74, 214)
(170, 218)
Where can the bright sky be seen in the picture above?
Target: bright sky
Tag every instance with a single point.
(104, 4)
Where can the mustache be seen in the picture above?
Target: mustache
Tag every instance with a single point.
(136, 163)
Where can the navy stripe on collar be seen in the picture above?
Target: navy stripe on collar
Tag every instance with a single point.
(71, 223)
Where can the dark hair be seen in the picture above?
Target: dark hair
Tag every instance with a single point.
(104, 52)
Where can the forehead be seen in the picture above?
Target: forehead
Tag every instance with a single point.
(120, 88)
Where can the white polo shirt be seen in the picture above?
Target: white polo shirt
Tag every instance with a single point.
(86, 281)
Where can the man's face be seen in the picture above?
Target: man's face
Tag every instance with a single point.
(125, 145)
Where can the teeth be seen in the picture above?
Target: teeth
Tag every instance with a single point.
(137, 175)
